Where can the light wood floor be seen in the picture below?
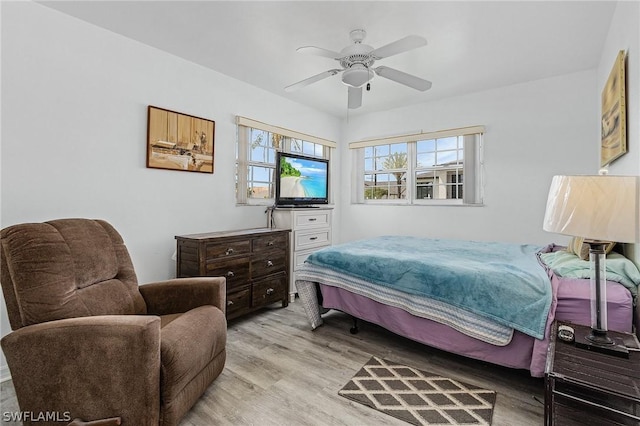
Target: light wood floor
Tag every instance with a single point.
(278, 372)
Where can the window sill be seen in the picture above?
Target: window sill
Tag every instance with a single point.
(435, 204)
(255, 204)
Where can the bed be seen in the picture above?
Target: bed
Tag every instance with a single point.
(489, 301)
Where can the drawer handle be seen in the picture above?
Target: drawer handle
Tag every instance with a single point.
(270, 291)
(230, 274)
(269, 263)
(229, 302)
(312, 219)
(270, 243)
(313, 238)
(229, 251)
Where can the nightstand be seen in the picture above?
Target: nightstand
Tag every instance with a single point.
(583, 387)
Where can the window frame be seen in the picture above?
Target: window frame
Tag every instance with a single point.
(469, 142)
(390, 171)
(287, 143)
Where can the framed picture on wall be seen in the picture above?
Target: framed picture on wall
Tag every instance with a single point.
(177, 141)
(613, 142)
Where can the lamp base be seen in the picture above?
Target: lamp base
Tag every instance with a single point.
(599, 338)
(598, 341)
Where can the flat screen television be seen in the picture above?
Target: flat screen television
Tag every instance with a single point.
(301, 181)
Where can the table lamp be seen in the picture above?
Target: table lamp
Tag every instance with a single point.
(600, 209)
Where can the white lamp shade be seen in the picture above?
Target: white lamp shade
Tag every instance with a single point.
(357, 76)
(603, 208)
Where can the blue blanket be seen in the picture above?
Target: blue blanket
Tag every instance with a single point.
(501, 281)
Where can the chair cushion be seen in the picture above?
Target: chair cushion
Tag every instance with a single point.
(188, 344)
(166, 319)
(67, 268)
(40, 266)
(92, 253)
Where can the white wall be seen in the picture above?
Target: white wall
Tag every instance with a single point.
(74, 117)
(533, 131)
(624, 34)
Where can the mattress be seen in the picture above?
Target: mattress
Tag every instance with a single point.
(574, 304)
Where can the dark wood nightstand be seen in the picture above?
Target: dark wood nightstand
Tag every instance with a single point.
(583, 387)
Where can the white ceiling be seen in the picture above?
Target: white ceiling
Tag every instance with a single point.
(472, 45)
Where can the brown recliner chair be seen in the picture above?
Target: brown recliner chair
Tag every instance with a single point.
(89, 343)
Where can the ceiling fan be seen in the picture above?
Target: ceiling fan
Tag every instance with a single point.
(357, 62)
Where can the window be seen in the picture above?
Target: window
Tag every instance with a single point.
(438, 168)
(385, 172)
(427, 168)
(256, 157)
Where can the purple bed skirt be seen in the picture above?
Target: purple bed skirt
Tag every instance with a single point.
(570, 303)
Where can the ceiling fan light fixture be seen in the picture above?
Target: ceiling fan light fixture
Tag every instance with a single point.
(357, 76)
(356, 65)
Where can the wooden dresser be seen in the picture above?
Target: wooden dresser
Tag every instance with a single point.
(255, 263)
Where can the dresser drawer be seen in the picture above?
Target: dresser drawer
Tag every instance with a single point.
(311, 238)
(301, 256)
(227, 249)
(270, 242)
(312, 219)
(269, 290)
(235, 270)
(238, 300)
(268, 263)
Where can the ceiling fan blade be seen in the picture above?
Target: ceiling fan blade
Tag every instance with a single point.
(308, 81)
(319, 51)
(355, 97)
(403, 78)
(399, 46)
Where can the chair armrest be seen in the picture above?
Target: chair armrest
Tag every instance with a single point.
(90, 367)
(183, 294)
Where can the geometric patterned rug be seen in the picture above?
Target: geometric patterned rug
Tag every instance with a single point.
(419, 397)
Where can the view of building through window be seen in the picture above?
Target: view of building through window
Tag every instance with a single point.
(439, 168)
(436, 164)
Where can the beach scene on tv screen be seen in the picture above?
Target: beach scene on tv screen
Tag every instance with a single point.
(301, 178)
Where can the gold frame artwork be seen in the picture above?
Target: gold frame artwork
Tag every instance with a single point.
(613, 142)
(178, 141)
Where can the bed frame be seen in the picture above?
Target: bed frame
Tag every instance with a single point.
(570, 303)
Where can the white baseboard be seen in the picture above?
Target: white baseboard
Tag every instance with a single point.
(4, 373)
